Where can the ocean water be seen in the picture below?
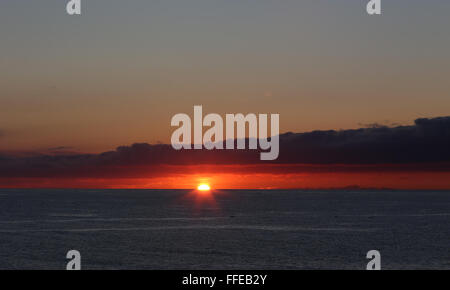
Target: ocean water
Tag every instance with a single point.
(227, 229)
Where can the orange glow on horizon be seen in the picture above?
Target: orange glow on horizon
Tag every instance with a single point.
(199, 179)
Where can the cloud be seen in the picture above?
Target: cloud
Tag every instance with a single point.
(422, 146)
(428, 140)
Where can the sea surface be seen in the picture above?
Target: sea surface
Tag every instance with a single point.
(225, 229)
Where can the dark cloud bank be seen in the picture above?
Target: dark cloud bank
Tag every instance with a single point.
(422, 146)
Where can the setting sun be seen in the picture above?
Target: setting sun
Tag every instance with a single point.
(204, 187)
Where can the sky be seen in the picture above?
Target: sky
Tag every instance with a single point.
(116, 75)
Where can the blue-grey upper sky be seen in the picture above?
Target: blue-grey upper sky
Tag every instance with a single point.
(117, 74)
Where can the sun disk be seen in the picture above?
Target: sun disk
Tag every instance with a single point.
(204, 187)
